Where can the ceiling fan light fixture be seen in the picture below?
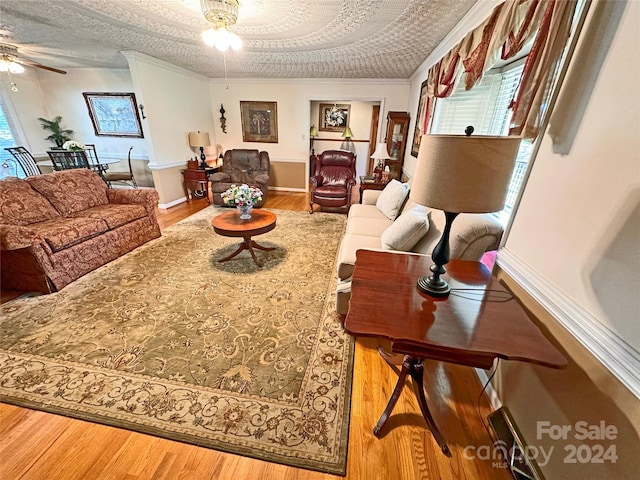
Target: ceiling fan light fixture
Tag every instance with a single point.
(8, 65)
(15, 68)
(221, 38)
(221, 13)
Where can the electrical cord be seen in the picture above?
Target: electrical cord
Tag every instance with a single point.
(495, 296)
(486, 427)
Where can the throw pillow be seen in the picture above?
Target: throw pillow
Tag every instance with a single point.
(407, 230)
(392, 198)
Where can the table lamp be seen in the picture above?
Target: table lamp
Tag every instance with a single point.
(313, 133)
(348, 144)
(457, 174)
(201, 140)
(379, 156)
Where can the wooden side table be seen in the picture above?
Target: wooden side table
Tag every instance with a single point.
(364, 185)
(195, 182)
(478, 322)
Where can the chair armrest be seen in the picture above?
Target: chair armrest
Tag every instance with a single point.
(219, 177)
(263, 178)
(316, 181)
(15, 237)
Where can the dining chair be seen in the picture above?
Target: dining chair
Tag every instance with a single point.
(69, 159)
(94, 161)
(25, 160)
(125, 177)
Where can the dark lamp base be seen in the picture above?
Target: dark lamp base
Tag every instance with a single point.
(434, 287)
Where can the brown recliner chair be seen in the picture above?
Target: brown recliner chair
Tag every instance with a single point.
(241, 166)
(333, 180)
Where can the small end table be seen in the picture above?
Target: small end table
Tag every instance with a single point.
(369, 185)
(478, 322)
(196, 181)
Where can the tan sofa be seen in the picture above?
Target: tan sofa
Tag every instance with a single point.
(57, 227)
(471, 236)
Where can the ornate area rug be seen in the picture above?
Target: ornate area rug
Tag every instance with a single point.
(167, 341)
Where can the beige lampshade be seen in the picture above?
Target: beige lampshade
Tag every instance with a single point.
(456, 173)
(347, 133)
(382, 152)
(199, 139)
(313, 131)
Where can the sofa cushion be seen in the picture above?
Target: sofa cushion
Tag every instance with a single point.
(61, 233)
(70, 191)
(392, 198)
(347, 254)
(367, 226)
(22, 205)
(366, 212)
(113, 214)
(406, 230)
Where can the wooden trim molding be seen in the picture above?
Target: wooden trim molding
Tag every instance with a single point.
(610, 349)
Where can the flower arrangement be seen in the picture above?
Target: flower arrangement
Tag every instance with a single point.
(73, 145)
(241, 195)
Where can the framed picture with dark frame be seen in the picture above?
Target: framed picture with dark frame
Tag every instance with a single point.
(422, 102)
(259, 121)
(114, 114)
(334, 117)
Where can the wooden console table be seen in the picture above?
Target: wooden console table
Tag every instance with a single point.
(479, 321)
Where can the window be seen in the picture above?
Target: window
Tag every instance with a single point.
(486, 107)
(8, 165)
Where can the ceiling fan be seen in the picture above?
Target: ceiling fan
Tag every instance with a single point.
(11, 62)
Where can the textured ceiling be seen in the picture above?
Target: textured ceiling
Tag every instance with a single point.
(282, 38)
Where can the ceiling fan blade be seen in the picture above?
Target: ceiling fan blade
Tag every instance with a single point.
(31, 63)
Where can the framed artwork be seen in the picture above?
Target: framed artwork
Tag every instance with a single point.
(334, 117)
(417, 131)
(114, 114)
(259, 121)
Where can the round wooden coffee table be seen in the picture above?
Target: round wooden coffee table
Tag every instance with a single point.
(229, 224)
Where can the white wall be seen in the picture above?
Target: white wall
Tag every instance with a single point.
(293, 99)
(63, 96)
(176, 102)
(586, 200)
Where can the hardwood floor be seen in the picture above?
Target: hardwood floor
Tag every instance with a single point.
(36, 445)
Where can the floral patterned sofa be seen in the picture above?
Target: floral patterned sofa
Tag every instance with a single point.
(57, 227)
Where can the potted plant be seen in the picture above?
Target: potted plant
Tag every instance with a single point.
(58, 135)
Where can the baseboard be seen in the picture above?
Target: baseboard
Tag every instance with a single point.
(610, 349)
(173, 203)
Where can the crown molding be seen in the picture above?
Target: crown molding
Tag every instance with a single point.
(609, 348)
(133, 56)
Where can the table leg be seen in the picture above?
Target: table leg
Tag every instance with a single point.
(417, 373)
(248, 244)
(413, 367)
(402, 378)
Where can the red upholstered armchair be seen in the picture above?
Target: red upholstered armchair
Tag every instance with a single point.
(333, 180)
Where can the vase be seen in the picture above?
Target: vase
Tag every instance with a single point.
(245, 211)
